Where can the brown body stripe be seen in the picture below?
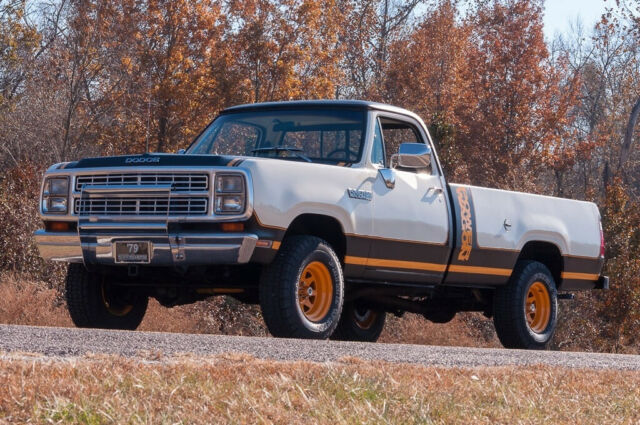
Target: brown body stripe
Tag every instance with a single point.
(492, 265)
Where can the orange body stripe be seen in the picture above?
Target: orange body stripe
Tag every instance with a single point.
(480, 270)
(411, 265)
(579, 276)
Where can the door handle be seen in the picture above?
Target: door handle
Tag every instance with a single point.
(436, 190)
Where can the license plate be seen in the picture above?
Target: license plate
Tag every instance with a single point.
(132, 252)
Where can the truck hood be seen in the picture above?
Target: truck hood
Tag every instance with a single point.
(152, 160)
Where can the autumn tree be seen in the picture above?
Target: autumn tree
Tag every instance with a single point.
(627, 20)
(283, 49)
(18, 43)
(163, 71)
(517, 102)
(373, 27)
(428, 74)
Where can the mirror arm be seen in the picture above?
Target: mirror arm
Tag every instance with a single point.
(388, 176)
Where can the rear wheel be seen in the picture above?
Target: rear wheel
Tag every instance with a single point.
(94, 301)
(359, 323)
(525, 310)
(301, 292)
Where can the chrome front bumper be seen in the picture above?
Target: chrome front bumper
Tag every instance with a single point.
(96, 246)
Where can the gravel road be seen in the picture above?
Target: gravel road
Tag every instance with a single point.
(70, 342)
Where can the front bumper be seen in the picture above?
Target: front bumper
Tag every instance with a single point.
(167, 249)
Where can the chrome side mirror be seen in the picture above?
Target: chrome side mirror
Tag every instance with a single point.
(388, 176)
(412, 155)
(181, 152)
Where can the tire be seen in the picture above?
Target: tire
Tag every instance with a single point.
(95, 302)
(526, 309)
(309, 264)
(359, 323)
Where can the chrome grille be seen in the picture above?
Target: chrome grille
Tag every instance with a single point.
(141, 206)
(180, 182)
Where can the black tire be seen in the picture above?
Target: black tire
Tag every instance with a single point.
(510, 313)
(359, 323)
(280, 283)
(94, 302)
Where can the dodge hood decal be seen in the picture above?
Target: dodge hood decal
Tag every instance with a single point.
(155, 160)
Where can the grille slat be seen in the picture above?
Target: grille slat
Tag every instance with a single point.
(181, 182)
(115, 205)
(141, 206)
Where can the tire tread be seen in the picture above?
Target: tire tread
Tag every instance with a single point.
(280, 315)
(507, 307)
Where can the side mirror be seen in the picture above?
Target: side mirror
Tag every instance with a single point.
(413, 155)
(181, 152)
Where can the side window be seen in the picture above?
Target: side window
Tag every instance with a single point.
(377, 154)
(397, 132)
(394, 133)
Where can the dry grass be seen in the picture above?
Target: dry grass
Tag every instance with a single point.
(240, 389)
(466, 330)
(30, 302)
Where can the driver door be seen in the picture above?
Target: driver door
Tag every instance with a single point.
(411, 219)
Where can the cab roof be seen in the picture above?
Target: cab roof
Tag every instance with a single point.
(318, 104)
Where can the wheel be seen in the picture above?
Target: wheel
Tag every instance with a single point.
(95, 302)
(525, 310)
(302, 290)
(359, 323)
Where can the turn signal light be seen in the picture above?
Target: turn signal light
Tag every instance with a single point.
(232, 227)
(58, 226)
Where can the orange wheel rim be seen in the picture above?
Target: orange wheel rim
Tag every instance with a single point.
(114, 308)
(364, 319)
(315, 291)
(537, 307)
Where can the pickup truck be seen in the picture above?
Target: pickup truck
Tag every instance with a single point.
(328, 214)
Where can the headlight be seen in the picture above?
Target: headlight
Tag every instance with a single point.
(56, 186)
(54, 205)
(230, 194)
(229, 204)
(54, 196)
(229, 184)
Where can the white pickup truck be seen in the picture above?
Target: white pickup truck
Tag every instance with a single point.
(329, 214)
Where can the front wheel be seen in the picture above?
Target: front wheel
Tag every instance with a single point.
(301, 292)
(94, 301)
(525, 310)
(360, 323)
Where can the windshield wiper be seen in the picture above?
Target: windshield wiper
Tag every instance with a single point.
(277, 149)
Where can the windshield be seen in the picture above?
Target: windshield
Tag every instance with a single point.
(327, 136)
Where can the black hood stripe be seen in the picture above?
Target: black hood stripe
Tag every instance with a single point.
(156, 160)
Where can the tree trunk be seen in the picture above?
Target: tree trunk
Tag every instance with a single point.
(628, 135)
(559, 183)
(163, 121)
